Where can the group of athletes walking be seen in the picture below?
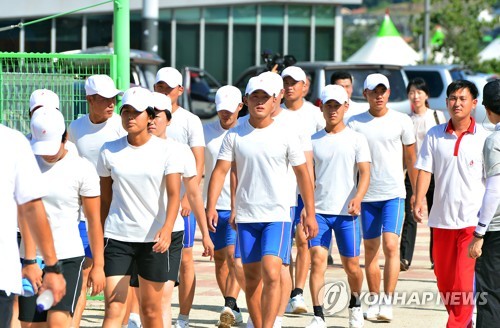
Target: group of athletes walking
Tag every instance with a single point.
(129, 184)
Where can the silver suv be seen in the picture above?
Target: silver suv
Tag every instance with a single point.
(321, 72)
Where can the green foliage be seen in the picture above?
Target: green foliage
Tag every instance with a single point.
(462, 29)
(489, 66)
(354, 38)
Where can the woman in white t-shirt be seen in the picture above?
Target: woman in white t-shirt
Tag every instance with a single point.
(140, 188)
(423, 119)
(72, 182)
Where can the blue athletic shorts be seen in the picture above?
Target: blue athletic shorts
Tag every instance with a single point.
(382, 216)
(237, 251)
(295, 214)
(189, 230)
(224, 234)
(347, 233)
(85, 238)
(265, 238)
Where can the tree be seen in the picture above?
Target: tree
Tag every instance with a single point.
(462, 29)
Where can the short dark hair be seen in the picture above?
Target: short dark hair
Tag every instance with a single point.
(419, 84)
(462, 84)
(340, 75)
(168, 114)
(491, 96)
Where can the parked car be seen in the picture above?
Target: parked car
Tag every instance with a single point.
(321, 72)
(438, 77)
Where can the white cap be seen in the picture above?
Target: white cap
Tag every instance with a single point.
(276, 79)
(161, 102)
(228, 98)
(47, 129)
(139, 98)
(102, 85)
(260, 83)
(170, 76)
(334, 92)
(44, 97)
(295, 73)
(373, 80)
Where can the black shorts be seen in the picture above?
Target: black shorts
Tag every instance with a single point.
(72, 272)
(174, 260)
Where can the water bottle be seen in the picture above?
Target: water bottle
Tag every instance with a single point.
(44, 301)
(28, 290)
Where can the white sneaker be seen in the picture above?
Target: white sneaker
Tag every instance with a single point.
(385, 313)
(181, 323)
(289, 307)
(317, 322)
(249, 322)
(372, 312)
(238, 318)
(297, 304)
(356, 319)
(134, 321)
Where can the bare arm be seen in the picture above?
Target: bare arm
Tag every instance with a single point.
(39, 227)
(91, 208)
(307, 192)
(410, 157)
(423, 181)
(354, 207)
(233, 183)
(310, 165)
(215, 186)
(30, 271)
(106, 196)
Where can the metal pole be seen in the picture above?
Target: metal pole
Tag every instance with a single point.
(173, 39)
(230, 45)
(258, 36)
(150, 15)
(427, 14)
(312, 35)
(337, 53)
(84, 32)
(285, 32)
(201, 52)
(53, 36)
(22, 38)
(121, 32)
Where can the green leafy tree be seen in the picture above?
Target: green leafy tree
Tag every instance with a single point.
(463, 31)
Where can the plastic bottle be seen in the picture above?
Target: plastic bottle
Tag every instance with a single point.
(44, 301)
(28, 290)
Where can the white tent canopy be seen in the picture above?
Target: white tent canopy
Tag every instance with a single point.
(492, 51)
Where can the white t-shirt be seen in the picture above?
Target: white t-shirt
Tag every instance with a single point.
(262, 157)
(66, 181)
(335, 166)
(214, 135)
(355, 109)
(457, 165)
(185, 155)
(422, 124)
(89, 137)
(20, 182)
(291, 123)
(310, 116)
(138, 206)
(385, 136)
(186, 128)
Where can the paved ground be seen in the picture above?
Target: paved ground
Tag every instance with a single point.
(418, 282)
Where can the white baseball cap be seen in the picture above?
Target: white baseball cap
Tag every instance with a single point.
(228, 98)
(295, 73)
(260, 83)
(44, 97)
(161, 102)
(102, 85)
(373, 80)
(170, 76)
(334, 92)
(276, 79)
(47, 128)
(139, 98)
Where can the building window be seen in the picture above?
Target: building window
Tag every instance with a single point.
(37, 37)
(99, 30)
(245, 15)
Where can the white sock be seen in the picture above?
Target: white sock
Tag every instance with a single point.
(183, 317)
(277, 322)
(135, 317)
(249, 322)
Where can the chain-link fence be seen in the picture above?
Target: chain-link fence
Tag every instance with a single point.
(22, 73)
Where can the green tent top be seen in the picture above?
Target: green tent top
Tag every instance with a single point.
(387, 28)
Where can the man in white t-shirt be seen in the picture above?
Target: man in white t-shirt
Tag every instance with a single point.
(452, 152)
(261, 150)
(228, 103)
(344, 79)
(186, 128)
(294, 80)
(89, 133)
(21, 189)
(382, 212)
(339, 154)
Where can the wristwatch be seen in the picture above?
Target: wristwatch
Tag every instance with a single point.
(28, 261)
(477, 235)
(56, 268)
